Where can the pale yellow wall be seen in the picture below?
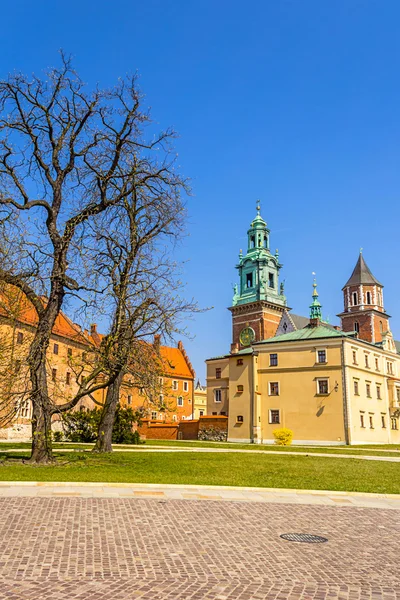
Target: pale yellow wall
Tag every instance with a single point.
(240, 403)
(200, 403)
(213, 383)
(361, 404)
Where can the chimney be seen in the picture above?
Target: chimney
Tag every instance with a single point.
(93, 328)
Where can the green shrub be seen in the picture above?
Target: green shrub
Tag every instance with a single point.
(58, 436)
(283, 436)
(82, 426)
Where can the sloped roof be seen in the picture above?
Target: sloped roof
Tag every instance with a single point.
(174, 362)
(362, 274)
(14, 305)
(307, 333)
(298, 321)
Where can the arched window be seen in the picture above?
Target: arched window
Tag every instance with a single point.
(355, 299)
(265, 242)
(252, 242)
(356, 326)
(369, 298)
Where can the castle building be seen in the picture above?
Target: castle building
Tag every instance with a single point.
(328, 384)
(68, 358)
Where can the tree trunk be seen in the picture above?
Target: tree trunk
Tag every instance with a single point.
(42, 451)
(104, 434)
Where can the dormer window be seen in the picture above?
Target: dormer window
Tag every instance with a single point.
(249, 280)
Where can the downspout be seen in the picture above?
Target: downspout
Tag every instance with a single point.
(254, 421)
(252, 387)
(346, 408)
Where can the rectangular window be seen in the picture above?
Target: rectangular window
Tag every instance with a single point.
(371, 421)
(273, 360)
(378, 391)
(362, 423)
(180, 401)
(54, 374)
(201, 413)
(239, 419)
(217, 395)
(174, 385)
(153, 415)
(218, 373)
(274, 417)
(383, 418)
(366, 360)
(239, 362)
(355, 299)
(398, 394)
(20, 337)
(322, 356)
(185, 386)
(393, 423)
(356, 389)
(376, 364)
(55, 349)
(354, 357)
(274, 388)
(68, 378)
(249, 280)
(323, 386)
(69, 351)
(129, 399)
(368, 390)
(390, 368)
(271, 280)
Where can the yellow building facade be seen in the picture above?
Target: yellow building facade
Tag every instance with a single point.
(325, 386)
(200, 400)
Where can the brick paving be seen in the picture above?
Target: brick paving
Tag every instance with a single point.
(122, 548)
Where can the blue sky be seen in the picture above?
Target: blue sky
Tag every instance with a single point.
(295, 103)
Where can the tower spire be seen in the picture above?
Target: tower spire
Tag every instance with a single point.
(315, 306)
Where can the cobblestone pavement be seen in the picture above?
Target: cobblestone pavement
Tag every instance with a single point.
(121, 549)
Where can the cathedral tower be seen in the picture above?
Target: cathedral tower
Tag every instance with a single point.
(259, 301)
(364, 311)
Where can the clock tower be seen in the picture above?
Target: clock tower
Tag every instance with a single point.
(259, 300)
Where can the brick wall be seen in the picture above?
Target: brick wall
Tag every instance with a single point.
(185, 430)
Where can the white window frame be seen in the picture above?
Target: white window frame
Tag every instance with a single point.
(154, 418)
(179, 401)
(319, 362)
(175, 385)
(270, 416)
(218, 392)
(269, 388)
(129, 399)
(185, 386)
(323, 379)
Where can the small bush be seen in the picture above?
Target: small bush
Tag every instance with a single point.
(58, 436)
(82, 426)
(283, 436)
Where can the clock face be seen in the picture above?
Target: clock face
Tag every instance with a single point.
(247, 336)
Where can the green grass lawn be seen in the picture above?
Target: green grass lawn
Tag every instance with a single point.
(378, 450)
(303, 472)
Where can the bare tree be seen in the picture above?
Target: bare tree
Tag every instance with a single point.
(67, 156)
(145, 288)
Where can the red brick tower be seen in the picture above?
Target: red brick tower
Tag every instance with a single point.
(364, 311)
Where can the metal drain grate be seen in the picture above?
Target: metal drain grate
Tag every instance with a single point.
(306, 538)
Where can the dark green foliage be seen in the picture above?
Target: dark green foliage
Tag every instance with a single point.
(82, 426)
(58, 436)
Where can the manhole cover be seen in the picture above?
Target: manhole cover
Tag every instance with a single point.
(304, 537)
